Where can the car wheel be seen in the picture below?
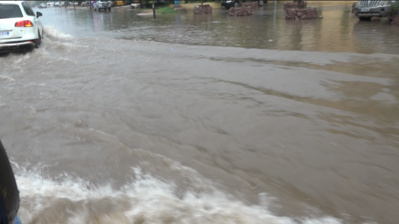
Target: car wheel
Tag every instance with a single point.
(261, 3)
(39, 41)
(236, 4)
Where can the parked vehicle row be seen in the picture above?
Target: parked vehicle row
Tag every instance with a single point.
(58, 4)
(235, 3)
(363, 9)
(20, 27)
(97, 5)
(66, 3)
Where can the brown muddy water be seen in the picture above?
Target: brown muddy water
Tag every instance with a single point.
(205, 119)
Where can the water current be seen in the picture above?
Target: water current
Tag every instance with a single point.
(118, 118)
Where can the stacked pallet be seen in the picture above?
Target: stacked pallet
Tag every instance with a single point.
(395, 20)
(294, 5)
(299, 14)
(202, 9)
(240, 11)
(252, 5)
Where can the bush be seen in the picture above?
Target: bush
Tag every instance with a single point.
(166, 10)
(199, 1)
(393, 9)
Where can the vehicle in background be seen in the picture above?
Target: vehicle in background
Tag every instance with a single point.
(62, 4)
(105, 5)
(121, 2)
(135, 5)
(20, 27)
(42, 6)
(85, 4)
(365, 9)
(235, 3)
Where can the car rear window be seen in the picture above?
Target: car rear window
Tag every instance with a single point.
(27, 9)
(9, 11)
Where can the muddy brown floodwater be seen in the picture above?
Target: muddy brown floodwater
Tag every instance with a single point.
(205, 119)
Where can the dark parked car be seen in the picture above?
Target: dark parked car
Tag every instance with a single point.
(235, 3)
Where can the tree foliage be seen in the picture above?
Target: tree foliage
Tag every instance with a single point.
(393, 9)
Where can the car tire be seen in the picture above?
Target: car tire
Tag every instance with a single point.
(39, 41)
(236, 4)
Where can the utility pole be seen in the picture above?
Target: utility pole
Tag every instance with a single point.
(153, 9)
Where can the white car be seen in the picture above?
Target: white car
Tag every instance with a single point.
(20, 27)
(42, 6)
(102, 5)
(365, 9)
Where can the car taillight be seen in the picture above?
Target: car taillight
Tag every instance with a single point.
(24, 23)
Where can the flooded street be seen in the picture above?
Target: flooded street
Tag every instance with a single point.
(118, 118)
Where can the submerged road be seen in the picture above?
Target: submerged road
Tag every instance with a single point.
(205, 119)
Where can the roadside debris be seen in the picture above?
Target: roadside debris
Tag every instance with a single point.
(294, 5)
(252, 5)
(246, 9)
(299, 14)
(202, 9)
(298, 10)
(395, 20)
(240, 11)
